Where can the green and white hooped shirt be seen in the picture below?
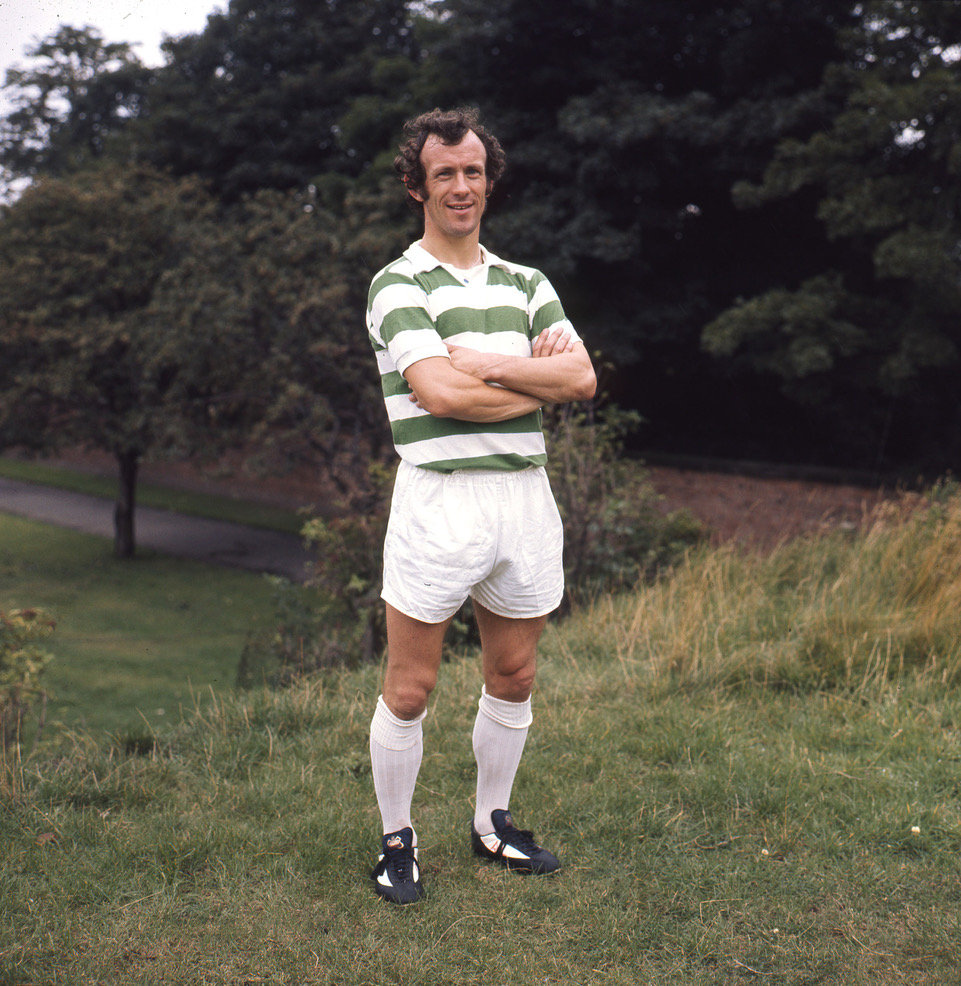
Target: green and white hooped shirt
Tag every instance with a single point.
(416, 305)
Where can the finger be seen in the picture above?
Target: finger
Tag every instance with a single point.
(540, 344)
(556, 341)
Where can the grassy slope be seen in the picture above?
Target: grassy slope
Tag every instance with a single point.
(135, 639)
(725, 812)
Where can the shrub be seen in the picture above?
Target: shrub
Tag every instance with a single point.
(614, 534)
(22, 664)
(337, 618)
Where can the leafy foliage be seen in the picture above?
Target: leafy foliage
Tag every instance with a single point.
(22, 664)
(77, 94)
(256, 100)
(81, 359)
(878, 324)
(614, 535)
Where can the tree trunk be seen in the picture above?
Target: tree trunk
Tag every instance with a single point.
(123, 514)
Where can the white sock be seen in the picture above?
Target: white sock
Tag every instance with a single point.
(396, 750)
(500, 732)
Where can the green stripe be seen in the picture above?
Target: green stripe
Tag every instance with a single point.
(497, 275)
(502, 319)
(547, 315)
(387, 277)
(419, 429)
(506, 463)
(436, 278)
(402, 319)
(394, 384)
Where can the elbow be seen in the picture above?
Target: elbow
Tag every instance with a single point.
(439, 404)
(585, 387)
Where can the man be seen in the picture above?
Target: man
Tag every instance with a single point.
(469, 347)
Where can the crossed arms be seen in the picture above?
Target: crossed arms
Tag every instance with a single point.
(558, 371)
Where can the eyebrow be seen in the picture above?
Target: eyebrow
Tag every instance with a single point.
(440, 168)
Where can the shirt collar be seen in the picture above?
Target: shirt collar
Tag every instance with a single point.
(422, 261)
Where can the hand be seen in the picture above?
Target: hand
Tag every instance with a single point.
(469, 361)
(414, 399)
(552, 342)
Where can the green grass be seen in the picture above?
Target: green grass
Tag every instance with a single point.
(136, 639)
(725, 812)
(160, 497)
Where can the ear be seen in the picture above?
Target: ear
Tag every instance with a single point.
(414, 194)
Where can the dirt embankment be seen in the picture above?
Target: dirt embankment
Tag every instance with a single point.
(735, 507)
(764, 511)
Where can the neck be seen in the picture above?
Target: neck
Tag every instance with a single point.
(462, 253)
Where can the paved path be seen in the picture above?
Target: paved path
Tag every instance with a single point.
(213, 541)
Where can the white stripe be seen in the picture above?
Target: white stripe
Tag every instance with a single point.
(486, 296)
(412, 339)
(393, 296)
(401, 408)
(385, 362)
(502, 343)
(432, 450)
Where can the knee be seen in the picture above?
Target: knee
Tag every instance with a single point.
(407, 698)
(512, 684)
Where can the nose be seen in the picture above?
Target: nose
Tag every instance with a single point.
(460, 182)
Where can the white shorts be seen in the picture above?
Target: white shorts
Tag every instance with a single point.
(494, 536)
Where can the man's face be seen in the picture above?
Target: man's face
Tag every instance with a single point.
(455, 188)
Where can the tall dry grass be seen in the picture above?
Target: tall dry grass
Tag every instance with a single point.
(842, 609)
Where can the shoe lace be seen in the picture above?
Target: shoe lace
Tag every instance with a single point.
(522, 839)
(401, 863)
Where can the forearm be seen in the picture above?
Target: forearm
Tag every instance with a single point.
(557, 379)
(448, 393)
(483, 403)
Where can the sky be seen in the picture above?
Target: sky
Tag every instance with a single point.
(22, 22)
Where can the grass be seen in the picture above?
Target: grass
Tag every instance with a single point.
(136, 639)
(726, 810)
(159, 497)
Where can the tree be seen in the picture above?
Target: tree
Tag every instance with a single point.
(281, 287)
(626, 125)
(257, 99)
(81, 359)
(867, 335)
(78, 93)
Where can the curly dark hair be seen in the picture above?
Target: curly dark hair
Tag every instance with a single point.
(450, 127)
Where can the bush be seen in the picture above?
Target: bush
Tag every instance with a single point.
(614, 534)
(22, 664)
(337, 618)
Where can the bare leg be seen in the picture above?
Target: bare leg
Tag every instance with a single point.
(414, 651)
(509, 652)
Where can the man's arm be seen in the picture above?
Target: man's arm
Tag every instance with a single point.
(560, 371)
(449, 393)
